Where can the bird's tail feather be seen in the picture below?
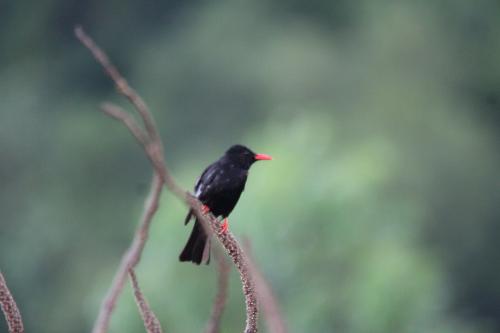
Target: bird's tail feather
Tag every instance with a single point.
(196, 246)
(188, 217)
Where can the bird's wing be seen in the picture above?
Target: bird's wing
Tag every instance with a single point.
(202, 185)
(219, 181)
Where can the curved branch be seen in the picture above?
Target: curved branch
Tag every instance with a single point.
(130, 258)
(120, 82)
(267, 299)
(223, 268)
(10, 309)
(234, 250)
(118, 113)
(151, 143)
(151, 323)
(154, 150)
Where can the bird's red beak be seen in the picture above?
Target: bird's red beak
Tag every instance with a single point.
(263, 157)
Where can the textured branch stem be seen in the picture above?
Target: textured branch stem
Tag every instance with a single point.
(154, 150)
(130, 258)
(10, 309)
(151, 323)
(223, 268)
(267, 299)
(235, 251)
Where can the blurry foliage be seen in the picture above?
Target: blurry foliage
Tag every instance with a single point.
(380, 212)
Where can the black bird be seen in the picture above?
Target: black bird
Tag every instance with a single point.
(218, 188)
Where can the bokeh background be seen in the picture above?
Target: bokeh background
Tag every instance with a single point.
(379, 213)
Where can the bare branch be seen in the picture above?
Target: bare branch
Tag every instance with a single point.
(9, 308)
(118, 113)
(234, 250)
(154, 151)
(267, 299)
(154, 148)
(151, 323)
(120, 82)
(130, 258)
(223, 268)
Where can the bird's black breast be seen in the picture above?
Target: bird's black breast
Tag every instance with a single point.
(220, 187)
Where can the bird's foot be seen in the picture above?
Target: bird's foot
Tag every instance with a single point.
(224, 226)
(205, 209)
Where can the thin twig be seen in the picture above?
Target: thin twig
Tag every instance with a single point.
(152, 146)
(223, 268)
(130, 258)
(121, 83)
(151, 323)
(118, 113)
(267, 299)
(154, 150)
(10, 309)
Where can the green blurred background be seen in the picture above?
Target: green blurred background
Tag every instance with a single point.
(379, 213)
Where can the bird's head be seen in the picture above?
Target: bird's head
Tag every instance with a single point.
(244, 157)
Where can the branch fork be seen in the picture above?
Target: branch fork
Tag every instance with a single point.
(153, 147)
